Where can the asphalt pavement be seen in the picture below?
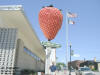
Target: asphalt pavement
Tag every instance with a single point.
(97, 73)
(73, 73)
(64, 73)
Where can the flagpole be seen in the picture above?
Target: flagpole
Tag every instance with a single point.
(67, 39)
(69, 15)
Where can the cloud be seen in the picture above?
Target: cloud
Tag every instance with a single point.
(76, 55)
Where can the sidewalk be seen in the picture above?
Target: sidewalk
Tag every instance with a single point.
(64, 73)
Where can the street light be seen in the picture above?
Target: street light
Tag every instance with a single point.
(70, 59)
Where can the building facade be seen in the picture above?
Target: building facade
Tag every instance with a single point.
(75, 64)
(20, 48)
(93, 65)
(7, 50)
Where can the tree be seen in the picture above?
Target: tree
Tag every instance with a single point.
(58, 65)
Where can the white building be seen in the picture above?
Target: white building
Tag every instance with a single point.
(20, 48)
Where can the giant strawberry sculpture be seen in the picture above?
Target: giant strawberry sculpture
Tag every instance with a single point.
(50, 20)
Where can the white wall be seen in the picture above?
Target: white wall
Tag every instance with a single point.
(25, 61)
(50, 57)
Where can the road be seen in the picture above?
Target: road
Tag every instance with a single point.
(97, 73)
(73, 73)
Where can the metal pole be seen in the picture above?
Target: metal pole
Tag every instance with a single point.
(67, 39)
(70, 61)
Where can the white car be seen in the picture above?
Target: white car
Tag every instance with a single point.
(84, 71)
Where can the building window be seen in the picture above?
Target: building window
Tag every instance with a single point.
(31, 54)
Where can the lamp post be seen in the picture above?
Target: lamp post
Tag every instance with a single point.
(70, 59)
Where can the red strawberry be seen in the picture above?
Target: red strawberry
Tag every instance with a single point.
(50, 20)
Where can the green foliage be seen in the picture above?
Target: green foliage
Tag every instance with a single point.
(58, 65)
(94, 69)
(61, 64)
(28, 72)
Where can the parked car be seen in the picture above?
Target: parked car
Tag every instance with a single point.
(84, 71)
(72, 70)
